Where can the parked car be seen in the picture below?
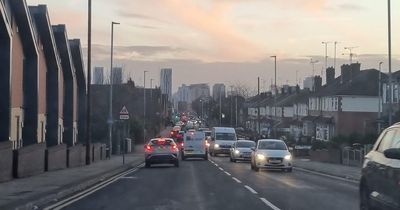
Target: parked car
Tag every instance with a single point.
(271, 154)
(380, 176)
(222, 139)
(161, 151)
(241, 150)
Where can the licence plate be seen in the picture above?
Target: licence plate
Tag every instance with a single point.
(274, 161)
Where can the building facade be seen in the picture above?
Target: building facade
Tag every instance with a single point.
(218, 91)
(98, 75)
(166, 82)
(117, 75)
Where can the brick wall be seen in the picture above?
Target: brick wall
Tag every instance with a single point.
(56, 157)
(29, 160)
(76, 156)
(6, 161)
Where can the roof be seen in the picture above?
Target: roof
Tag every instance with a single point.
(364, 83)
(270, 140)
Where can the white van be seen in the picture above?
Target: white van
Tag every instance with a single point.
(194, 145)
(222, 139)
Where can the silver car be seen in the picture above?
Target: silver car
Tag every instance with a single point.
(241, 150)
(161, 150)
(271, 154)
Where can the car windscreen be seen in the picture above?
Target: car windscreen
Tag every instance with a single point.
(272, 145)
(245, 144)
(225, 136)
(194, 138)
(207, 133)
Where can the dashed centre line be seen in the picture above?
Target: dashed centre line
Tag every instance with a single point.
(269, 204)
(237, 180)
(227, 173)
(251, 189)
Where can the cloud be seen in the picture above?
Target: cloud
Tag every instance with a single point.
(128, 14)
(350, 7)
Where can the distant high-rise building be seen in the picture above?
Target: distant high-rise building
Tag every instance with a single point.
(199, 91)
(309, 83)
(218, 91)
(117, 75)
(166, 82)
(98, 75)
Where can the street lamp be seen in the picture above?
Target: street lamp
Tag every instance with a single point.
(88, 83)
(144, 106)
(380, 97)
(390, 63)
(275, 90)
(326, 54)
(110, 117)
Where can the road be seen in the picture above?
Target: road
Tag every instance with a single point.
(220, 184)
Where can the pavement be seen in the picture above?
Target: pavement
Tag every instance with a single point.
(219, 184)
(350, 173)
(26, 193)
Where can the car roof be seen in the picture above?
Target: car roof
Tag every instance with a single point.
(271, 140)
(162, 138)
(219, 129)
(243, 140)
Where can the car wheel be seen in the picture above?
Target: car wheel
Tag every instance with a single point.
(289, 170)
(234, 160)
(176, 164)
(256, 168)
(364, 197)
(183, 157)
(231, 159)
(147, 164)
(206, 156)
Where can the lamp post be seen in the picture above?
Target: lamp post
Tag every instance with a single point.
(89, 80)
(380, 97)
(110, 117)
(326, 54)
(390, 64)
(275, 90)
(144, 107)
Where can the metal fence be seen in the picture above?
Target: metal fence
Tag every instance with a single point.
(354, 156)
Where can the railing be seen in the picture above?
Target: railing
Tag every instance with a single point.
(354, 156)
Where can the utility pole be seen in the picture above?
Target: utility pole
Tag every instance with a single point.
(380, 98)
(230, 105)
(220, 109)
(313, 62)
(390, 63)
(110, 117)
(351, 54)
(326, 54)
(334, 59)
(144, 107)
(275, 95)
(89, 81)
(236, 111)
(258, 106)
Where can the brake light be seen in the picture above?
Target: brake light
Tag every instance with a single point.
(182, 144)
(148, 147)
(173, 146)
(172, 133)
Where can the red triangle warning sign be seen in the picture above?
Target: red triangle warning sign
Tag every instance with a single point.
(124, 110)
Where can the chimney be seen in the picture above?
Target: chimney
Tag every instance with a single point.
(317, 83)
(355, 69)
(345, 73)
(330, 75)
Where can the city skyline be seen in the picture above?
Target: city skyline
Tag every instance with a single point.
(237, 35)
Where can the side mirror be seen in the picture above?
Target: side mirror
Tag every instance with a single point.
(253, 148)
(393, 153)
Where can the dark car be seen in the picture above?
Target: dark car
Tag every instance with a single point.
(380, 180)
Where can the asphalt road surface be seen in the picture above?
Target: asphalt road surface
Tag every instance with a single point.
(220, 184)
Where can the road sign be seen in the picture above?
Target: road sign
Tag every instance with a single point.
(124, 114)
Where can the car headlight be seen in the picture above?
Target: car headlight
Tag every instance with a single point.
(216, 145)
(237, 151)
(288, 157)
(260, 156)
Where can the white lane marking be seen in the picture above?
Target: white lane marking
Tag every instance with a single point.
(251, 189)
(227, 173)
(128, 177)
(237, 180)
(215, 164)
(221, 169)
(269, 204)
(83, 194)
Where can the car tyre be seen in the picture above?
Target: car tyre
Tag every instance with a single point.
(206, 156)
(289, 170)
(364, 197)
(183, 157)
(147, 164)
(176, 164)
(231, 159)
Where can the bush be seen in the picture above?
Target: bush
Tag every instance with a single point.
(136, 130)
(318, 145)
